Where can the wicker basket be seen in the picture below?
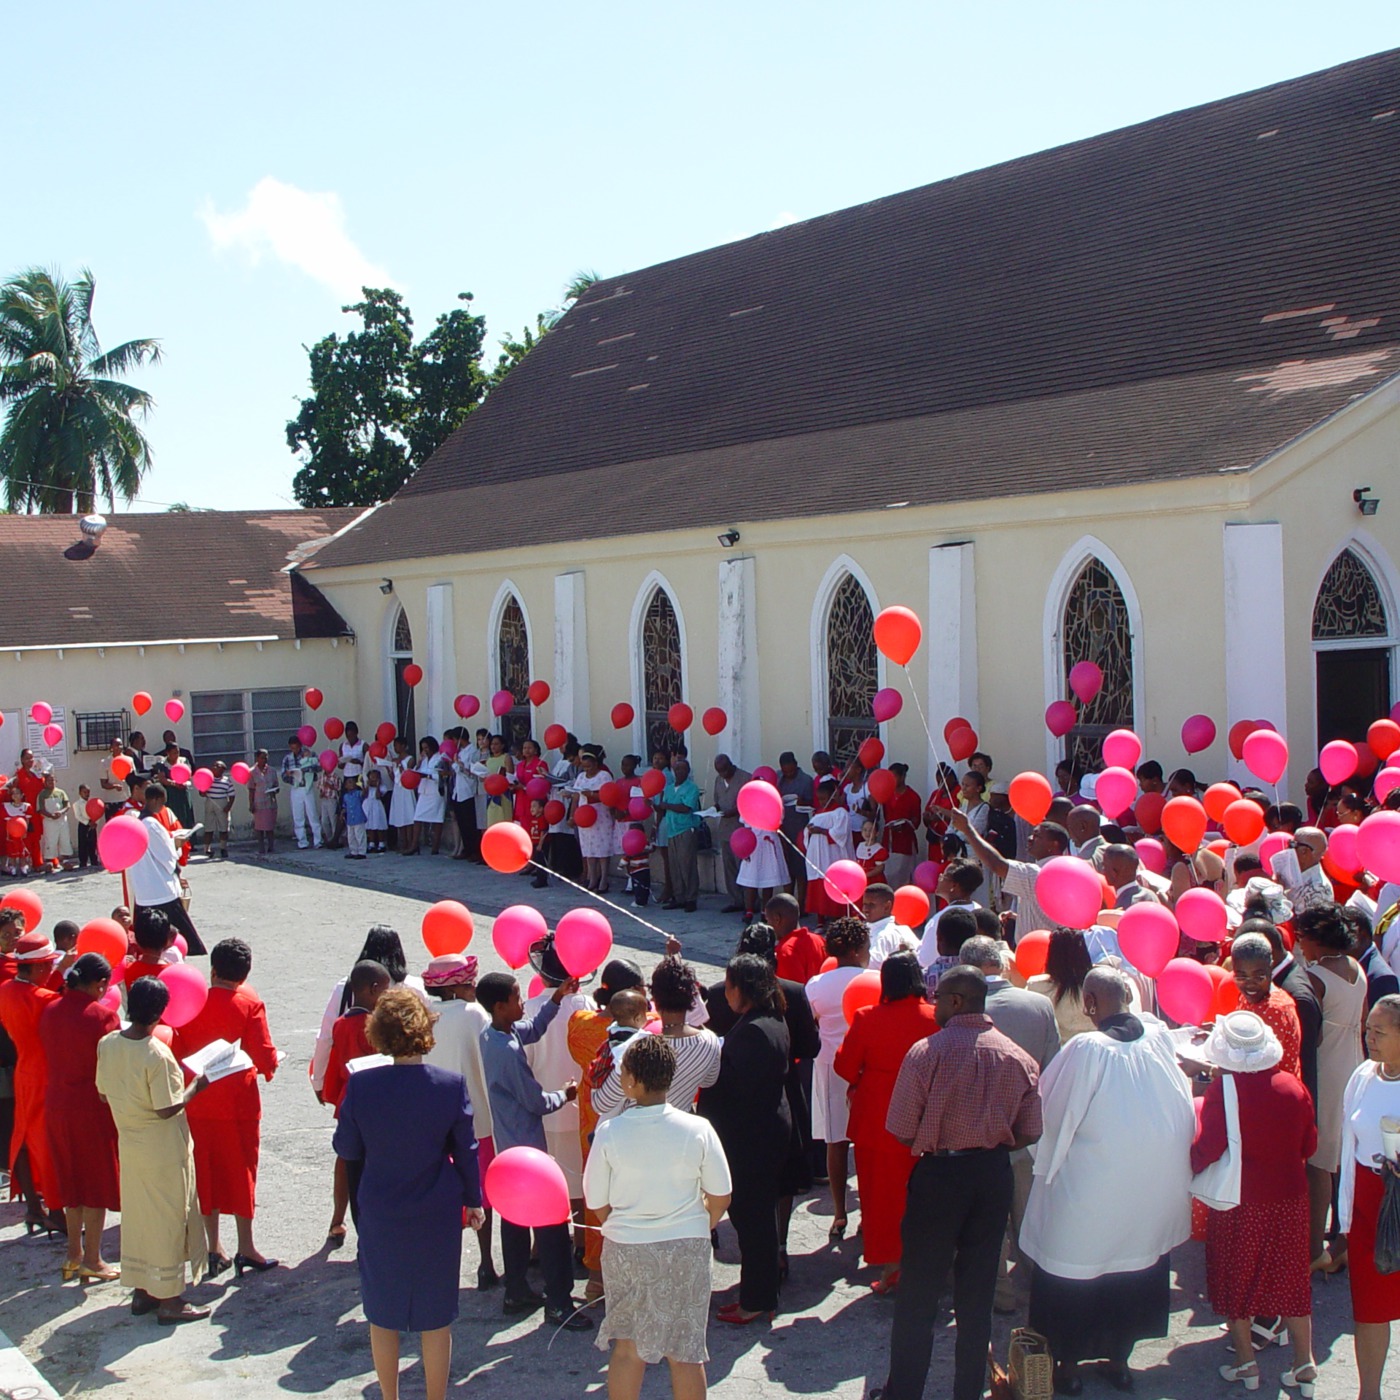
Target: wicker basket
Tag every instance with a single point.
(1030, 1365)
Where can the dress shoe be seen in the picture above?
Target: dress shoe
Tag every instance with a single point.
(187, 1313)
(671, 904)
(689, 908)
(570, 1319)
(518, 1307)
(486, 1276)
(142, 1303)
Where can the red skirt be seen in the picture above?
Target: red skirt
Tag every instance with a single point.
(1257, 1259)
(83, 1148)
(882, 1177)
(226, 1164)
(1374, 1297)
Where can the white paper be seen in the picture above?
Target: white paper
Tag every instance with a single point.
(217, 1060)
(184, 833)
(481, 770)
(710, 812)
(368, 1062)
(1186, 1047)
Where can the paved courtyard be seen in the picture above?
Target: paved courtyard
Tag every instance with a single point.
(300, 1330)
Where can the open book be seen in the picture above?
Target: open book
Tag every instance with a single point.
(217, 1060)
(183, 834)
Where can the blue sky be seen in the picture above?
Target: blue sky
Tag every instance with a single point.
(230, 176)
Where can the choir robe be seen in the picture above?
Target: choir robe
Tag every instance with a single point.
(21, 1006)
(225, 1120)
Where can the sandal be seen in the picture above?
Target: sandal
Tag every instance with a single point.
(1247, 1375)
(884, 1286)
(838, 1229)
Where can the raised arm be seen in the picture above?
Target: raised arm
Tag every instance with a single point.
(987, 854)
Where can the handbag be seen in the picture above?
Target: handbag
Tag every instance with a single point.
(1218, 1185)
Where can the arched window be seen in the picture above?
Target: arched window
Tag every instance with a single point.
(1354, 641)
(400, 655)
(513, 668)
(661, 671)
(852, 670)
(1095, 627)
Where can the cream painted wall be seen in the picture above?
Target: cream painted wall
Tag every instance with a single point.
(1167, 538)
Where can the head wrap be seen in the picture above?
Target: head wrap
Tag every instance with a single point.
(453, 970)
(1243, 1044)
(34, 947)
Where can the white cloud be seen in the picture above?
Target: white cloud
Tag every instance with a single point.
(303, 229)
(782, 220)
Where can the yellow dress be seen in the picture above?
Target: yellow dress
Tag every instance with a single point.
(161, 1226)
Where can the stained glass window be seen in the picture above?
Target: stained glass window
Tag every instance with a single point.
(661, 671)
(852, 673)
(1348, 603)
(403, 636)
(1096, 628)
(513, 668)
(405, 720)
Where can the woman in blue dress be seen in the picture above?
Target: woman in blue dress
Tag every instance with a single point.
(405, 1131)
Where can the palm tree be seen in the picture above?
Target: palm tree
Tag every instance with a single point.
(70, 435)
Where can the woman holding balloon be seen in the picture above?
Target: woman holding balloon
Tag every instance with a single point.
(82, 1136)
(431, 805)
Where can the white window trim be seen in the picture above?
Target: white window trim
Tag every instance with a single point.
(653, 581)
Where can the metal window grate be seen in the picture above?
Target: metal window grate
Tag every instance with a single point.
(852, 670)
(1095, 628)
(97, 728)
(661, 672)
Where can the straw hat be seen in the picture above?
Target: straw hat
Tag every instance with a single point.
(1243, 1044)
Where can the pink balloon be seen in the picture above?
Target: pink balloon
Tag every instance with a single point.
(112, 997)
(182, 945)
(307, 735)
(1270, 846)
(1378, 844)
(761, 805)
(1148, 936)
(1060, 718)
(53, 735)
(743, 843)
(887, 704)
(448, 749)
(1085, 680)
(188, 993)
(1265, 755)
(1122, 749)
(1202, 915)
(121, 843)
(466, 706)
(203, 780)
(528, 1188)
(180, 773)
(517, 927)
(1186, 992)
(845, 881)
(765, 774)
(1387, 780)
(240, 772)
(583, 939)
(535, 988)
(926, 874)
(328, 760)
(1342, 849)
(634, 842)
(1197, 733)
(41, 712)
(537, 789)
(1152, 854)
(1116, 789)
(174, 711)
(502, 703)
(1338, 761)
(638, 809)
(1069, 891)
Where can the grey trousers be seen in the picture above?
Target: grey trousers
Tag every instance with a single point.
(683, 849)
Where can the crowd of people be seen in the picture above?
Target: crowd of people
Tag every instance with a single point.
(1002, 1118)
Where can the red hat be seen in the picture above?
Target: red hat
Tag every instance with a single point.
(35, 947)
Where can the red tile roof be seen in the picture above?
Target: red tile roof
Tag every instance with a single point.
(1173, 299)
(176, 576)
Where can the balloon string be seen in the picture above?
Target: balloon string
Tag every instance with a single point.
(933, 748)
(818, 872)
(593, 894)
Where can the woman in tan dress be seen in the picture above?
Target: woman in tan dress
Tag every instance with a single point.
(162, 1231)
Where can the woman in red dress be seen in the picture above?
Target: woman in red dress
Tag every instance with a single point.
(225, 1121)
(1257, 1254)
(82, 1136)
(1252, 962)
(23, 1000)
(531, 765)
(869, 1059)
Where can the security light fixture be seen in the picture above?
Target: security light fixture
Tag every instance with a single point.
(1367, 505)
(729, 539)
(386, 586)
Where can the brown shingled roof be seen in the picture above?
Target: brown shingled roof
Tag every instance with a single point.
(168, 577)
(1187, 294)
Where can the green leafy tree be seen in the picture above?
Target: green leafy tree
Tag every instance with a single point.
(514, 349)
(70, 433)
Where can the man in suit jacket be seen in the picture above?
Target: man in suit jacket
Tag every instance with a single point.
(1028, 1019)
(1293, 978)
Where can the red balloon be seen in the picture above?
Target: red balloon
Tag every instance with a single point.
(1383, 738)
(411, 777)
(105, 936)
(378, 750)
(585, 816)
(652, 782)
(957, 722)
(882, 785)
(506, 847)
(827, 965)
(334, 728)
(680, 717)
(898, 633)
(1147, 812)
(313, 698)
(28, 903)
(861, 991)
(1060, 717)
(911, 906)
(1239, 732)
(412, 673)
(556, 736)
(622, 715)
(466, 706)
(538, 692)
(16, 828)
(1031, 796)
(447, 928)
(95, 809)
(871, 753)
(385, 733)
(1032, 950)
(611, 794)
(496, 785)
(554, 812)
(743, 843)
(1366, 760)
(714, 720)
(141, 702)
(1218, 797)
(962, 744)
(1184, 820)
(1244, 822)
(121, 767)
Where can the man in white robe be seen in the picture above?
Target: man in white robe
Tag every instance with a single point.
(1111, 1192)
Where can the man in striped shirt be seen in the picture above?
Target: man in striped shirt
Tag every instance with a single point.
(218, 803)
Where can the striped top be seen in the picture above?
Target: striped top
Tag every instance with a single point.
(697, 1067)
(220, 790)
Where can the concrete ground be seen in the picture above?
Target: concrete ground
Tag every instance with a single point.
(300, 1329)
